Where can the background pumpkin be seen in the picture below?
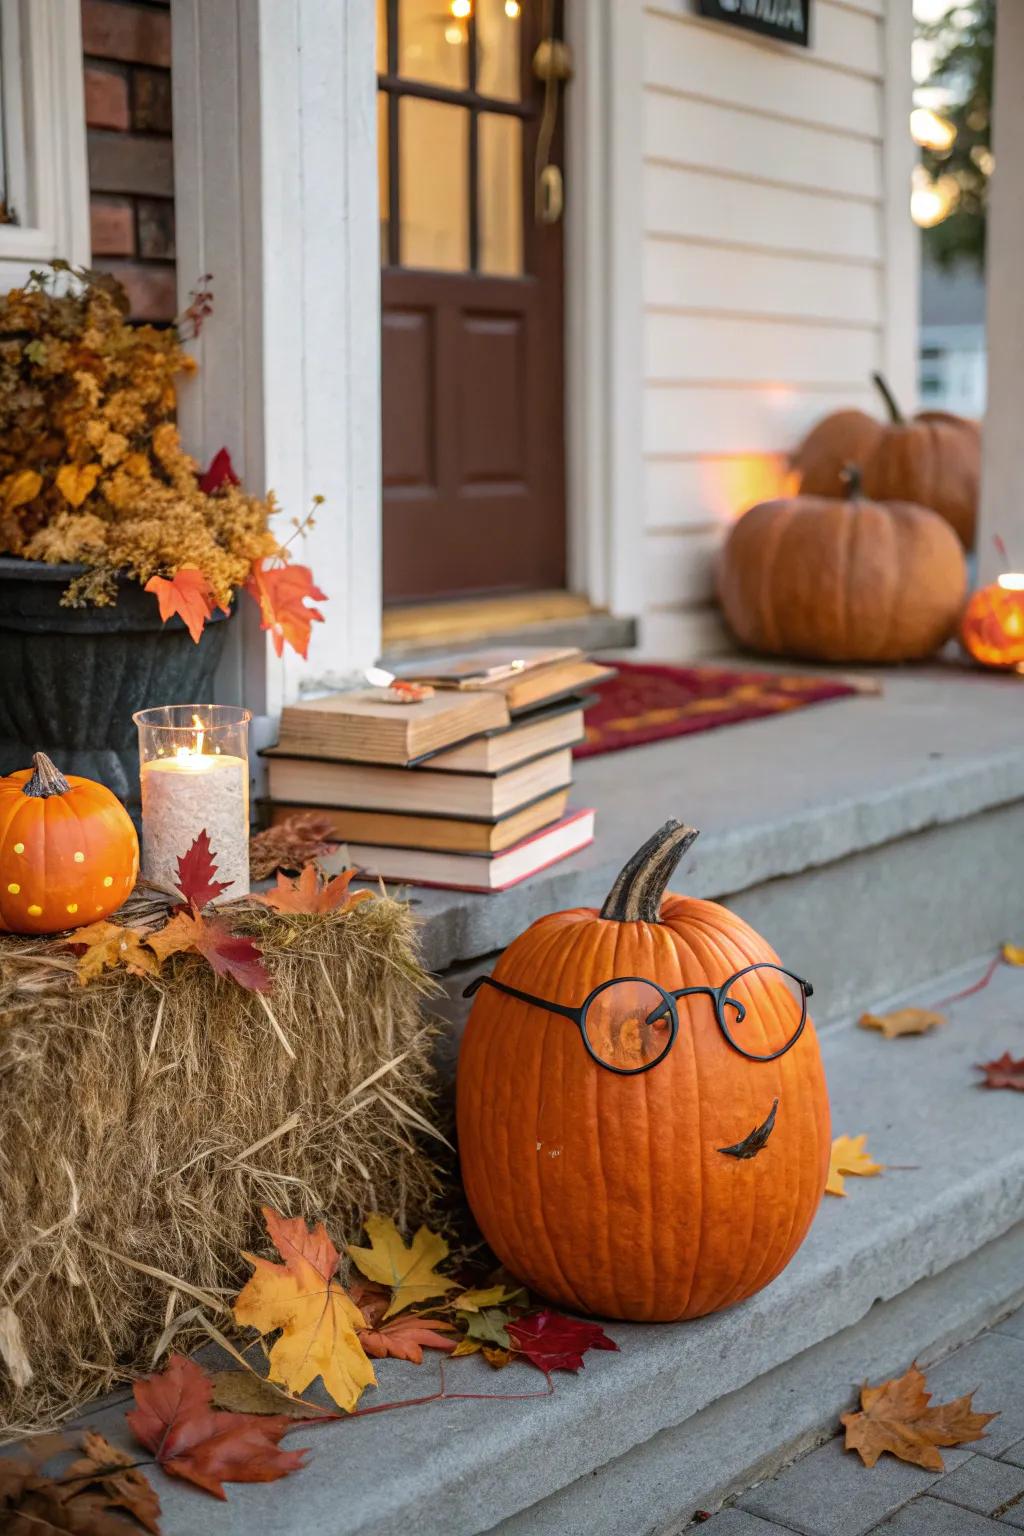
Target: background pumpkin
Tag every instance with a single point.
(850, 580)
(611, 1194)
(992, 629)
(69, 854)
(932, 460)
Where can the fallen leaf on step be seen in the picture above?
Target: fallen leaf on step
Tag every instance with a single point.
(1013, 954)
(492, 1296)
(849, 1157)
(113, 1475)
(409, 1270)
(903, 1021)
(245, 1392)
(897, 1417)
(488, 1327)
(553, 1342)
(174, 1418)
(1004, 1073)
(88, 1498)
(405, 1338)
(304, 1298)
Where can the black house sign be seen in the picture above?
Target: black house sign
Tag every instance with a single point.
(789, 20)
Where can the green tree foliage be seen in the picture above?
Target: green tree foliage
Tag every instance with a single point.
(964, 40)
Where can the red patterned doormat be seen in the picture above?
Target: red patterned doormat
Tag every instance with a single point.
(651, 703)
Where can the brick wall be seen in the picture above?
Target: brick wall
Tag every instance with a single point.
(127, 46)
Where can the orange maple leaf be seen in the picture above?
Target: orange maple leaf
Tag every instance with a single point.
(406, 1337)
(174, 1418)
(896, 1417)
(227, 953)
(187, 593)
(304, 1298)
(309, 893)
(282, 592)
(105, 945)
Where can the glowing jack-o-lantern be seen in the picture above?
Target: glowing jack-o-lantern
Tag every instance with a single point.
(992, 628)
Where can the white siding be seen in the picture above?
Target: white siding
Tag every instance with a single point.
(769, 251)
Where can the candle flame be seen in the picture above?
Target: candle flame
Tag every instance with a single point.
(200, 732)
(183, 753)
(1012, 581)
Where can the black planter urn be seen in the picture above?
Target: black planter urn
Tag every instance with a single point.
(71, 678)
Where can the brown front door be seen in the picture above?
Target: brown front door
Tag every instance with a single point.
(472, 304)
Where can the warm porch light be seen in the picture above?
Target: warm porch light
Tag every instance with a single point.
(513, 10)
(931, 130)
(460, 9)
(932, 201)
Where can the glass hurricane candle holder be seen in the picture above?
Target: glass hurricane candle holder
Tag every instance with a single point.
(194, 769)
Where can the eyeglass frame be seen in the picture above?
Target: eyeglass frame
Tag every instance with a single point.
(718, 997)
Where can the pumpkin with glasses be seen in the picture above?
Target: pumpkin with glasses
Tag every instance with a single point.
(642, 1113)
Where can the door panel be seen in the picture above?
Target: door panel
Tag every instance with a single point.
(472, 301)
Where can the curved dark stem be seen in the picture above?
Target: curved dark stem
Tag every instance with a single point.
(636, 895)
(850, 475)
(895, 414)
(46, 779)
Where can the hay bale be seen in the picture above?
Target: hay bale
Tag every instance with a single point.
(143, 1124)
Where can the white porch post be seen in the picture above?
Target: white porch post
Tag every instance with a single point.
(276, 188)
(1002, 510)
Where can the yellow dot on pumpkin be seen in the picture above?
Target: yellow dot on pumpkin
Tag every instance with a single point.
(72, 906)
(108, 879)
(79, 858)
(19, 847)
(35, 911)
(14, 887)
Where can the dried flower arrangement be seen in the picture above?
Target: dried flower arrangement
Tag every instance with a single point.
(92, 470)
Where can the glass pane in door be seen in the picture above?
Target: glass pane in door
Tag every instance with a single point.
(501, 195)
(433, 45)
(434, 184)
(383, 182)
(498, 30)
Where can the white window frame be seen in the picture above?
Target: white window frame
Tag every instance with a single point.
(44, 131)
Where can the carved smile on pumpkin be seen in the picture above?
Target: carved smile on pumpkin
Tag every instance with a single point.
(753, 1143)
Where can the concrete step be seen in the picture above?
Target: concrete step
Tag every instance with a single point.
(908, 1264)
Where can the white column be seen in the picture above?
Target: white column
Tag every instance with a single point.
(1002, 507)
(276, 189)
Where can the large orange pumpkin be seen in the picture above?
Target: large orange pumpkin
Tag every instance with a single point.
(932, 460)
(851, 580)
(992, 629)
(640, 1196)
(69, 854)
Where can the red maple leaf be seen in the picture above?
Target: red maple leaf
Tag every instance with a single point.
(196, 871)
(188, 594)
(281, 593)
(220, 473)
(553, 1342)
(1003, 1073)
(229, 954)
(174, 1418)
(309, 894)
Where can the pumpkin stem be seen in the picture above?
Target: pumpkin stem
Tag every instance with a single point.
(895, 414)
(636, 895)
(852, 480)
(46, 779)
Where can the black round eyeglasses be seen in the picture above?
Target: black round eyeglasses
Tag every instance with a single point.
(630, 1023)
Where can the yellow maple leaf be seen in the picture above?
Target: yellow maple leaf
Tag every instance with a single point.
(77, 481)
(409, 1271)
(897, 1417)
(903, 1021)
(1013, 954)
(21, 487)
(109, 945)
(476, 1301)
(849, 1157)
(305, 1300)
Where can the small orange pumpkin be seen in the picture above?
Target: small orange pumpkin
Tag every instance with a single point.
(69, 854)
(932, 459)
(640, 1196)
(852, 580)
(992, 629)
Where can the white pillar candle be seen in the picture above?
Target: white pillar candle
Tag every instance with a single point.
(186, 793)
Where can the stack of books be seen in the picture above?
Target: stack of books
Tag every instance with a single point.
(467, 787)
